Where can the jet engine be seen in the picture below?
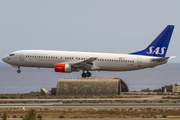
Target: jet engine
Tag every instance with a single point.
(60, 67)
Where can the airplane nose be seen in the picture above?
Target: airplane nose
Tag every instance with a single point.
(4, 59)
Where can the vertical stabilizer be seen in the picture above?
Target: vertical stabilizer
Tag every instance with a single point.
(159, 46)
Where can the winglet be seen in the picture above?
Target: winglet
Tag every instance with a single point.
(159, 46)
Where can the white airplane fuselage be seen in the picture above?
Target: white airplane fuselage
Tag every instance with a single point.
(104, 61)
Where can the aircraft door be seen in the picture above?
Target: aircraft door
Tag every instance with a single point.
(139, 62)
(21, 57)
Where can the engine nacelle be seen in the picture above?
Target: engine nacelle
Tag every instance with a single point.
(60, 67)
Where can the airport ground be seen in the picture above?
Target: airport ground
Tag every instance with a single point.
(131, 106)
(118, 112)
(99, 119)
(132, 97)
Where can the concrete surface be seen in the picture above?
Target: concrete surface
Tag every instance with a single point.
(94, 105)
(45, 92)
(91, 86)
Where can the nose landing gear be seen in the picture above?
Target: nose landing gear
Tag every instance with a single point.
(18, 71)
(88, 74)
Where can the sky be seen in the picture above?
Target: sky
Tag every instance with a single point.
(108, 26)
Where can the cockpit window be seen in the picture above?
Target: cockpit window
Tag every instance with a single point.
(11, 54)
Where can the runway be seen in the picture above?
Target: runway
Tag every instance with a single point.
(94, 105)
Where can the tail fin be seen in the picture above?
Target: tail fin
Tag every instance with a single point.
(159, 46)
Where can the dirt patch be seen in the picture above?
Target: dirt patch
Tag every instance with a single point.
(98, 113)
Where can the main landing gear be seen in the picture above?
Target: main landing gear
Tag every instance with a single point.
(88, 74)
(18, 71)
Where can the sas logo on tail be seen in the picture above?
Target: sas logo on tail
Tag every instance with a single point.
(157, 51)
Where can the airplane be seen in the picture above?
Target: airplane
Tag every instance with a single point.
(67, 61)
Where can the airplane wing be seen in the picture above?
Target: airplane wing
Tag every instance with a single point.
(86, 64)
(162, 59)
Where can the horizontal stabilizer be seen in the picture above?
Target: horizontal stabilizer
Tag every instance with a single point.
(163, 58)
(172, 57)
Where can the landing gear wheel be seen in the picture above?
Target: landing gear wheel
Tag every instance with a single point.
(83, 75)
(18, 71)
(88, 74)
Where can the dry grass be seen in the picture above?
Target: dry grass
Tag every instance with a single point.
(98, 113)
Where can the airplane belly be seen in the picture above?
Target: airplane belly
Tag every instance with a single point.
(117, 67)
(37, 63)
(40, 65)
